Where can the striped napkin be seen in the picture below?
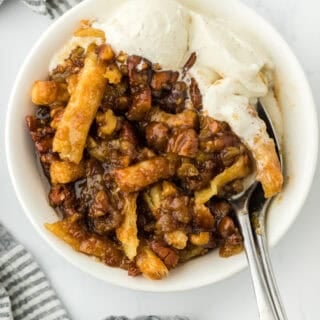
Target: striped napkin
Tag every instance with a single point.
(25, 292)
(52, 8)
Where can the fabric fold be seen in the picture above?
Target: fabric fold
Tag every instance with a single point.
(52, 8)
(25, 292)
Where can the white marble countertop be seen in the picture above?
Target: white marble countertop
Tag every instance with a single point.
(296, 258)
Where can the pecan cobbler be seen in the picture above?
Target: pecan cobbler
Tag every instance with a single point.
(139, 172)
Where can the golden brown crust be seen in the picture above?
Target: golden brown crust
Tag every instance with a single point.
(88, 31)
(237, 171)
(268, 167)
(72, 82)
(66, 230)
(72, 232)
(66, 172)
(185, 119)
(47, 92)
(150, 265)
(200, 239)
(127, 233)
(142, 174)
(72, 132)
(177, 239)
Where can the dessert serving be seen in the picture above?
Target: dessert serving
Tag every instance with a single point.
(145, 127)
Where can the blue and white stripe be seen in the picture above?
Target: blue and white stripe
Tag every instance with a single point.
(25, 293)
(53, 8)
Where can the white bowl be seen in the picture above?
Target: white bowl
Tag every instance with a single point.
(301, 143)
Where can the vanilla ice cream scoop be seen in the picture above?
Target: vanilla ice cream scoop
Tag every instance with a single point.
(154, 30)
(228, 54)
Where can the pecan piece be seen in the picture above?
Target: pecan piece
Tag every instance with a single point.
(139, 71)
(175, 101)
(189, 64)
(195, 94)
(141, 103)
(63, 196)
(167, 255)
(184, 143)
(202, 218)
(157, 135)
(164, 80)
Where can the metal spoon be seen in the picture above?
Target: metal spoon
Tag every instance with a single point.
(259, 214)
(267, 295)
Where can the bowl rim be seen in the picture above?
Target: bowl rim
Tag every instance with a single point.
(196, 284)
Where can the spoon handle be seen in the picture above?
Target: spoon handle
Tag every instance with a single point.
(259, 280)
(262, 246)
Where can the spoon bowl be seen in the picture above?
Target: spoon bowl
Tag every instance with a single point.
(252, 220)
